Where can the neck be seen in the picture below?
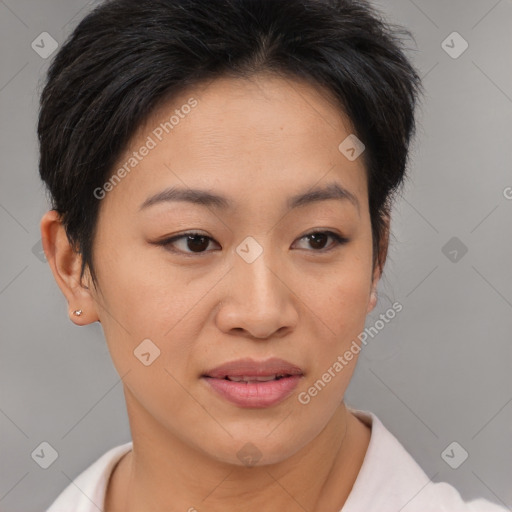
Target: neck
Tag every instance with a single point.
(163, 472)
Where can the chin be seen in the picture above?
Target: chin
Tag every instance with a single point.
(256, 450)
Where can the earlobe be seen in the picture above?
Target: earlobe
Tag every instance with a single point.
(377, 272)
(65, 264)
(373, 301)
(379, 262)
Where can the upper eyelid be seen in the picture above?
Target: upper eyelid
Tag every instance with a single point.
(168, 241)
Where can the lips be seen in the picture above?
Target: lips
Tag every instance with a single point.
(248, 369)
(248, 383)
(260, 378)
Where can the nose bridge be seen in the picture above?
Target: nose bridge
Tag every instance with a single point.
(257, 300)
(254, 267)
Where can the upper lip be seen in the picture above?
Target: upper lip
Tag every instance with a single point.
(250, 367)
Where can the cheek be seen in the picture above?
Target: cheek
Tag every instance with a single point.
(351, 295)
(342, 298)
(137, 287)
(146, 298)
(341, 305)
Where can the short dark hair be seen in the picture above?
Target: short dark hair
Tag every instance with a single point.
(127, 57)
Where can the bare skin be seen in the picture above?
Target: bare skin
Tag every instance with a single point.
(257, 142)
(330, 495)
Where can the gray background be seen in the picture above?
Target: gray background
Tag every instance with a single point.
(439, 372)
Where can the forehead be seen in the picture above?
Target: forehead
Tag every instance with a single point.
(265, 109)
(265, 134)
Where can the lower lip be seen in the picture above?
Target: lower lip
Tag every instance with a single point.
(255, 394)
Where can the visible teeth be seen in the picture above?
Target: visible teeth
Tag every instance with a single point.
(247, 378)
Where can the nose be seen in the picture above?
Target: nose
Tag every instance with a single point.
(257, 302)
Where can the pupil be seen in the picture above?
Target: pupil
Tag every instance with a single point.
(315, 238)
(196, 246)
(199, 243)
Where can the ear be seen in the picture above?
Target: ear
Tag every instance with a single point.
(379, 265)
(65, 263)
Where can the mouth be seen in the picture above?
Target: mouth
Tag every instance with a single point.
(249, 369)
(255, 378)
(248, 383)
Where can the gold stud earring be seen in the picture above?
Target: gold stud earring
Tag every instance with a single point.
(77, 312)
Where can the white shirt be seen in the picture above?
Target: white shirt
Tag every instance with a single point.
(389, 480)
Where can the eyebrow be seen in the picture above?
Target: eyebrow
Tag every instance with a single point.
(204, 198)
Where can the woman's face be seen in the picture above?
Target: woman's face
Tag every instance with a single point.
(255, 286)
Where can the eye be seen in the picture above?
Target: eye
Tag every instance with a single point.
(318, 240)
(187, 243)
(197, 243)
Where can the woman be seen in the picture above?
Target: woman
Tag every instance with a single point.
(221, 176)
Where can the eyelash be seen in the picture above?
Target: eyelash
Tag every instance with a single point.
(167, 243)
